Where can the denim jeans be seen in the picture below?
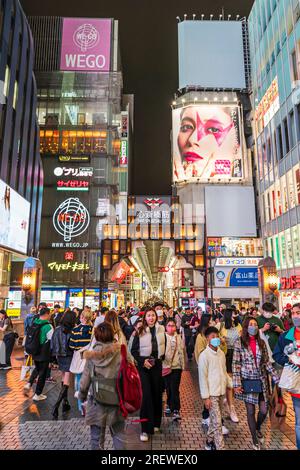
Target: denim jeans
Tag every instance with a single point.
(296, 403)
(77, 387)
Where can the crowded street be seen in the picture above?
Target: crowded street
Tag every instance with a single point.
(29, 425)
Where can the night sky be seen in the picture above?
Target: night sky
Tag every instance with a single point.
(148, 39)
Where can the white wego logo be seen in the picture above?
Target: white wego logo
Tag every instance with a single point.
(71, 219)
(86, 37)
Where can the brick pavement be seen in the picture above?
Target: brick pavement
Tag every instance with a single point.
(28, 425)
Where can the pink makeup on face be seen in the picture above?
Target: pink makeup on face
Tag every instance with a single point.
(214, 127)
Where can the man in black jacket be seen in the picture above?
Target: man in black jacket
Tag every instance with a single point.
(186, 325)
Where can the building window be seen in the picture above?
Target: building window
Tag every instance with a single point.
(6, 81)
(15, 95)
(292, 129)
(286, 135)
(291, 190)
(279, 143)
(296, 244)
(282, 250)
(294, 63)
(297, 181)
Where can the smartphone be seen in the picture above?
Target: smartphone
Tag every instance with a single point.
(151, 361)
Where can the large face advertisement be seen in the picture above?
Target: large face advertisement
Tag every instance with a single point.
(86, 45)
(14, 219)
(207, 143)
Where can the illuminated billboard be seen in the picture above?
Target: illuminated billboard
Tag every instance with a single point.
(14, 219)
(86, 45)
(207, 143)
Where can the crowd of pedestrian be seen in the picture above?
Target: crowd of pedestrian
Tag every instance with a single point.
(240, 355)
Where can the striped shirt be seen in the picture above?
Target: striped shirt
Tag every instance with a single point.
(80, 336)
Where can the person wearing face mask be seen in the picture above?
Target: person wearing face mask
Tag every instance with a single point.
(148, 350)
(213, 381)
(160, 314)
(270, 325)
(251, 366)
(289, 345)
(173, 365)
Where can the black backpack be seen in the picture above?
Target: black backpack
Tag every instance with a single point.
(32, 342)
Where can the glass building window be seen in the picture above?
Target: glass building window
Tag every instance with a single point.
(297, 182)
(286, 135)
(282, 250)
(289, 251)
(291, 189)
(292, 129)
(279, 143)
(296, 245)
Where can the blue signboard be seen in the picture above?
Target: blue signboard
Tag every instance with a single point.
(244, 277)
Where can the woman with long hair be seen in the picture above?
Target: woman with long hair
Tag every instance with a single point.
(148, 350)
(112, 318)
(251, 367)
(230, 331)
(6, 327)
(64, 354)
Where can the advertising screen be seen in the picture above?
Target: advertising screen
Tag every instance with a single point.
(207, 143)
(86, 45)
(211, 54)
(14, 219)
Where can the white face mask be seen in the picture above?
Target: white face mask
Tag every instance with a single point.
(267, 315)
(159, 313)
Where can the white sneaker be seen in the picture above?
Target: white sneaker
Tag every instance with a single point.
(205, 422)
(225, 431)
(256, 447)
(226, 409)
(144, 437)
(39, 397)
(156, 429)
(233, 416)
(26, 389)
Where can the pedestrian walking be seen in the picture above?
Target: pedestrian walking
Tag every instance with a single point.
(288, 346)
(230, 330)
(9, 338)
(213, 381)
(101, 370)
(80, 338)
(188, 333)
(37, 344)
(251, 366)
(112, 318)
(148, 350)
(173, 365)
(61, 349)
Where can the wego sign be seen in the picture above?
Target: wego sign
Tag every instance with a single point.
(86, 45)
(71, 219)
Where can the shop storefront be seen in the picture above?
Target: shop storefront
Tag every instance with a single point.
(289, 292)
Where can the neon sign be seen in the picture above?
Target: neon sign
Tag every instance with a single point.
(68, 266)
(71, 219)
(72, 185)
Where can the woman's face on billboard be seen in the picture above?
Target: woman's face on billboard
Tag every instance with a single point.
(206, 133)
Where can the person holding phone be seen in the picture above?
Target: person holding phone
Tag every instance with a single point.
(148, 350)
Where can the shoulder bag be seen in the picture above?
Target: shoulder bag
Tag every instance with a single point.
(167, 370)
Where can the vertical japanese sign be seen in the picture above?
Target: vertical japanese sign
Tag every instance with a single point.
(124, 140)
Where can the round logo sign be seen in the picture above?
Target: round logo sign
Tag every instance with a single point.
(220, 275)
(86, 37)
(58, 171)
(71, 219)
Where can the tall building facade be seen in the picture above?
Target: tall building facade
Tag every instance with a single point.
(84, 144)
(274, 37)
(21, 173)
(212, 161)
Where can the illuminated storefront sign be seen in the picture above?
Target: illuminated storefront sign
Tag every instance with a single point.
(67, 266)
(71, 219)
(74, 172)
(124, 153)
(238, 261)
(207, 143)
(124, 125)
(236, 277)
(74, 158)
(152, 210)
(120, 272)
(86, 44)
(73, 185)
(137, 281)
(269, 105)
(289, 283)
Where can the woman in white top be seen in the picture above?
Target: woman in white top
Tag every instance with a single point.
(173, 365)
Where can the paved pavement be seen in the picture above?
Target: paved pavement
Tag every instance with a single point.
(28, 425)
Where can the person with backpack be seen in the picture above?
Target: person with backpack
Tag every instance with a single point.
(64, 354)
(37, 344)
(186, 324)
(102, 369)
(148, 350)
(173, 365)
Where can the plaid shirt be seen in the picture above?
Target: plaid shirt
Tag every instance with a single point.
(244, 366)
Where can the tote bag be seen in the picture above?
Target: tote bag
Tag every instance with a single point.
(290, 378)
(77, 364)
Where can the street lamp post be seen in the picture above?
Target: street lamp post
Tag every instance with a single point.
(84, 277)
